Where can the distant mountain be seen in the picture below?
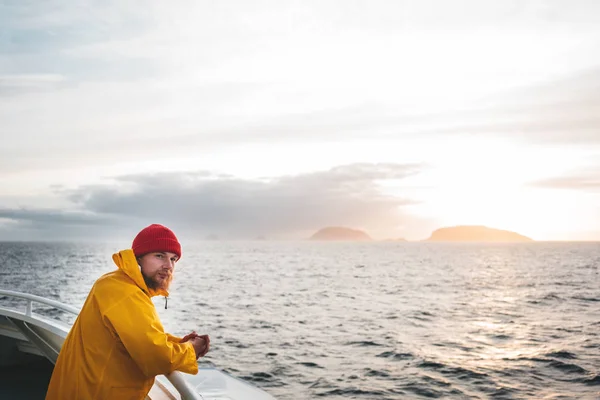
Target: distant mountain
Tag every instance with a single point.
(467, 233)
(340, 233)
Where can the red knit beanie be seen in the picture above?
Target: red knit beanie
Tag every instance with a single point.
(155, 238)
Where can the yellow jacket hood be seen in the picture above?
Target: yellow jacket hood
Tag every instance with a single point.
(126, 262)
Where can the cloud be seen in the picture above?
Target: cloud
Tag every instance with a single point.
(29, 82)
(202, 203)
(54, 224)
(89, 86)
(110, 118)
(15, 84)
(51, 216)
(561, 110)
(586, 181)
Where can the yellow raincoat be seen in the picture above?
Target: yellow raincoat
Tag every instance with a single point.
(118, 345)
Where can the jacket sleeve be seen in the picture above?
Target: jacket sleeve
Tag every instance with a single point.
(173, 338)
(135, 322)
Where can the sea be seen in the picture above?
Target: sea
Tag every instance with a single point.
(377, 320)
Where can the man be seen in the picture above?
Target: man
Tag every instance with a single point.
(117, 344)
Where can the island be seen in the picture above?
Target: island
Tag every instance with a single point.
(340, 234)
(475, 233)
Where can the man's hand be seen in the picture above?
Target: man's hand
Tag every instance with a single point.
(201, 345)
(189, 336)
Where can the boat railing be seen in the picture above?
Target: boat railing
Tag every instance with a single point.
(176, 378)
(31, 298)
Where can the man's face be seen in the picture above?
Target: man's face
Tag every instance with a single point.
(157, 269)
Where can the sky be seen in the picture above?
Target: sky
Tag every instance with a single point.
(277, 118)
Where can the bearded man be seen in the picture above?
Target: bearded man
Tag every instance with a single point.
(117, 345)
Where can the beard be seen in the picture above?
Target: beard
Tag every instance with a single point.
(155, 282)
